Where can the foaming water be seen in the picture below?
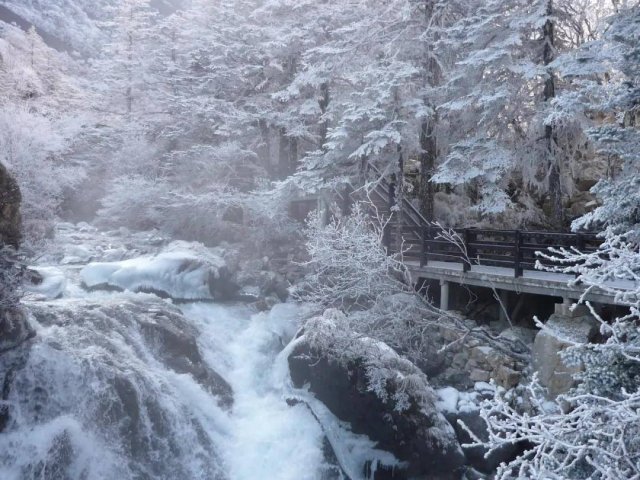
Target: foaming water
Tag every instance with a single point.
(91, 398)
(97, 396)
(270, 439)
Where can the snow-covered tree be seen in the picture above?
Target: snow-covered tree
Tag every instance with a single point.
(512, 145)
(592, 432)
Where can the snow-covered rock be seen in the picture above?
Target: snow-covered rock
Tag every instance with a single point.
(560, 332)
(465, 407)
(45, 283)
(381, 395)
(182, 271)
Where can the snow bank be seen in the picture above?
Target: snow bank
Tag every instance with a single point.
(183, 271)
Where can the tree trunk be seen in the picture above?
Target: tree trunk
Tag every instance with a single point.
(555, 187)
(428, 155)
(428, 142)
(130, 75)
(265, 146)
(293, 155)
(284, 155)
(323, 102)
(399, 214)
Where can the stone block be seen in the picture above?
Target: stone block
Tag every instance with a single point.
(481, 353)
(460, 359)
(561, 333)
(525, 335)
(506, 377)
(564, 309)
(478, 375)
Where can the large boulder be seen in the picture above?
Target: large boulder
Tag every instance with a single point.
(380, 394)
(14, 328)
(14, 325)
(464, 408)
(563, 330)
(10, 220)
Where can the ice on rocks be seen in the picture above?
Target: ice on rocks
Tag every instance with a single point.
(182, 271)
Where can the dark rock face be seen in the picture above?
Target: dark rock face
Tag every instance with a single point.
(14, 328)
(476, 455)
(169, 337)
(419, 436)
(178, 350)
(224, 287)
(10, 220)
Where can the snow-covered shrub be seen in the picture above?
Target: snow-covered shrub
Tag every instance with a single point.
(593, 431)
(141, 203)
(266, 213)
(350, 268)
(351, 271)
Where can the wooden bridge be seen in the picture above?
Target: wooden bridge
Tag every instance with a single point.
(504, 260)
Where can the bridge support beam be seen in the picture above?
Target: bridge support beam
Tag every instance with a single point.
(444, 295)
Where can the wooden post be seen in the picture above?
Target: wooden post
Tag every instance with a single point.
(517, 254)
(504, 307)
(580, 247)
(426, 236)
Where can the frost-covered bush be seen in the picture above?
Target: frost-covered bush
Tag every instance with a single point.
(141, 203)
(351, 271)
(593, 432)
(266, 213)
(134, 202)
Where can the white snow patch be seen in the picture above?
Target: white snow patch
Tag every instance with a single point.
(448, 399)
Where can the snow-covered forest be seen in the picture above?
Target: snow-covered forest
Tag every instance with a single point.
(201, 278)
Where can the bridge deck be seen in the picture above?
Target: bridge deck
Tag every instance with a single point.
(500, 278)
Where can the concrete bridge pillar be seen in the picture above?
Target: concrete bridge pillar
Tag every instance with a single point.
(444, 295)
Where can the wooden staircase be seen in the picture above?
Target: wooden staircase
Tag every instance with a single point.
(405, 223)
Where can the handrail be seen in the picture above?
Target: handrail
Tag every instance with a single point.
(510, 248)
(413, 209)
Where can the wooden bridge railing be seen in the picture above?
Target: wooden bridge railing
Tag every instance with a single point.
(515, 249)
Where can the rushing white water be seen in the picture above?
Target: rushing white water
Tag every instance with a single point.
(260, 437)
(269, 438)
(126, 386)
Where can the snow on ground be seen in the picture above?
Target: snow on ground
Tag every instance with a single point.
(453, 401)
